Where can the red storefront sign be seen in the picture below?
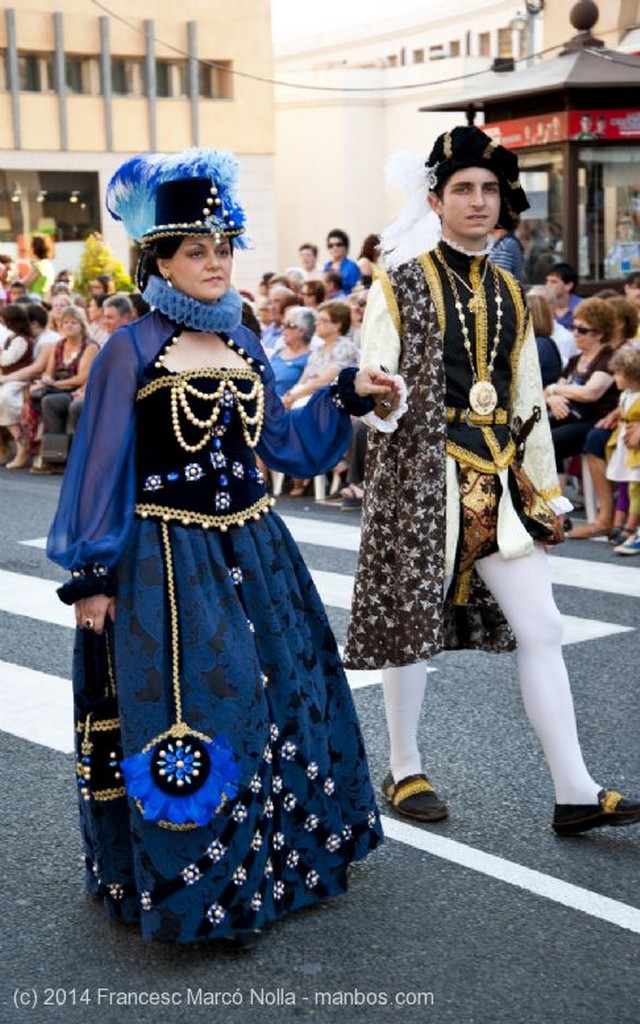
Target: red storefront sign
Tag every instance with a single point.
(579, 125)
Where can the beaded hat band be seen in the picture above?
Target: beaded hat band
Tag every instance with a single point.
(190, 193)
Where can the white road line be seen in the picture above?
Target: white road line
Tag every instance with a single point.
(608, 578)
(36, 598)
(36, 706)
(569, 572)
(39, 708)
(573, 896)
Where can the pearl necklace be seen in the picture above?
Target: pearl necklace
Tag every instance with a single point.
(227, 393)
(483, 397)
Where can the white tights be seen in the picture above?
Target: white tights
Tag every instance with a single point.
(522, 588)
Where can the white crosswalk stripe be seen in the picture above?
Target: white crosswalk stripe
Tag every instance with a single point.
(44, 716)
(37, 706)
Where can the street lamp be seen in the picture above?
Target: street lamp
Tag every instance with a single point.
(526, 25)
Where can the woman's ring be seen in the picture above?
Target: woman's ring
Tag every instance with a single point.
(89, 624)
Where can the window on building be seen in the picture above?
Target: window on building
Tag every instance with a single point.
(216, 80)
(418, 56)
(29, 72)
(163, 78)
(454, 48)
(76, 75)
(608, 212)
(65, 204)
(392, 60)
(540, 230)
(505, 42)
(484, 44)
(120, 81)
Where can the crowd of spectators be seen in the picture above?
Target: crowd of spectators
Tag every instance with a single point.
(50, 334)
(309, 317)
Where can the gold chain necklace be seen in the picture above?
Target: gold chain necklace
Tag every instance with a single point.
(472, 304)
(483, 397)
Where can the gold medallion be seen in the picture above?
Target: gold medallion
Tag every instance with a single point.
(483, 397)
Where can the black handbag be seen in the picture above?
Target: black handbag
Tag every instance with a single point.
(97, 724)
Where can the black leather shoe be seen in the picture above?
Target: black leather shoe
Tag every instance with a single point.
(414, 797)
(612, 809)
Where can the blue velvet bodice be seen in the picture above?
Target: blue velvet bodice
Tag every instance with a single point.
(196, 432)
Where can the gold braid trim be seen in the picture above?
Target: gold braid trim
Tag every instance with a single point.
(502, 457)
(522, 326)
(99, 725)
(183, 377)
(550, 492)
(407, 789)
(481, 322)
(390, 299)
(187, 826)
(610, 801)
(467, 458)
(186, 518)
(499, 416)
(109, 794)
(435, 290)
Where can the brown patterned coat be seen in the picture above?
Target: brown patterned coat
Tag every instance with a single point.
(398, 614)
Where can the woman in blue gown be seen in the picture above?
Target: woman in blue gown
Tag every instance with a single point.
(227, 784)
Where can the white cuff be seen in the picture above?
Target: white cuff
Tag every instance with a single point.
(560, 505)
(390, 422)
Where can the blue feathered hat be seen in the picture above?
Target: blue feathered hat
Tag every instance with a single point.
(160, 195)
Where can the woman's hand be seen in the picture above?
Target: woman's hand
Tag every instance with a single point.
(558, 406)
(370, 381)
(609, 421)
(288, 399)
(91, 612)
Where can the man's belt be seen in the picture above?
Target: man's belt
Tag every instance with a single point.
(467, 417)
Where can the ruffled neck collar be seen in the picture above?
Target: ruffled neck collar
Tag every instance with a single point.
(225, 315)
(470, 252)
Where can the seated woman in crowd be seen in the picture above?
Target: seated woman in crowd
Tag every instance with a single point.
(587, 392)
(67, 371)
(313, 293)
(290, 360)
(336, 352)
(15, 353)
(97, 331)
(368, 260)
(627, 317)
(548, 352)
(595, 446)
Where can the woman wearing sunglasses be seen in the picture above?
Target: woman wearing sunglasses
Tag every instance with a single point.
(587, 392)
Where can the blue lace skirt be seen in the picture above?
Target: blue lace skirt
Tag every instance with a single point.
(259, 666)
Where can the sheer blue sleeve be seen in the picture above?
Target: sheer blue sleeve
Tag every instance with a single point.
(96, 506)
(307, 441)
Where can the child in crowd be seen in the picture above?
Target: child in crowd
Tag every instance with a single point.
(624, 461)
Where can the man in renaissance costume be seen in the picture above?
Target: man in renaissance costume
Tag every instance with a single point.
(461, 492)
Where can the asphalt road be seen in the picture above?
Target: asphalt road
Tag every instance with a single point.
(487, 918)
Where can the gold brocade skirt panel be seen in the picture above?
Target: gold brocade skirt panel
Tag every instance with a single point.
(480, 495)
